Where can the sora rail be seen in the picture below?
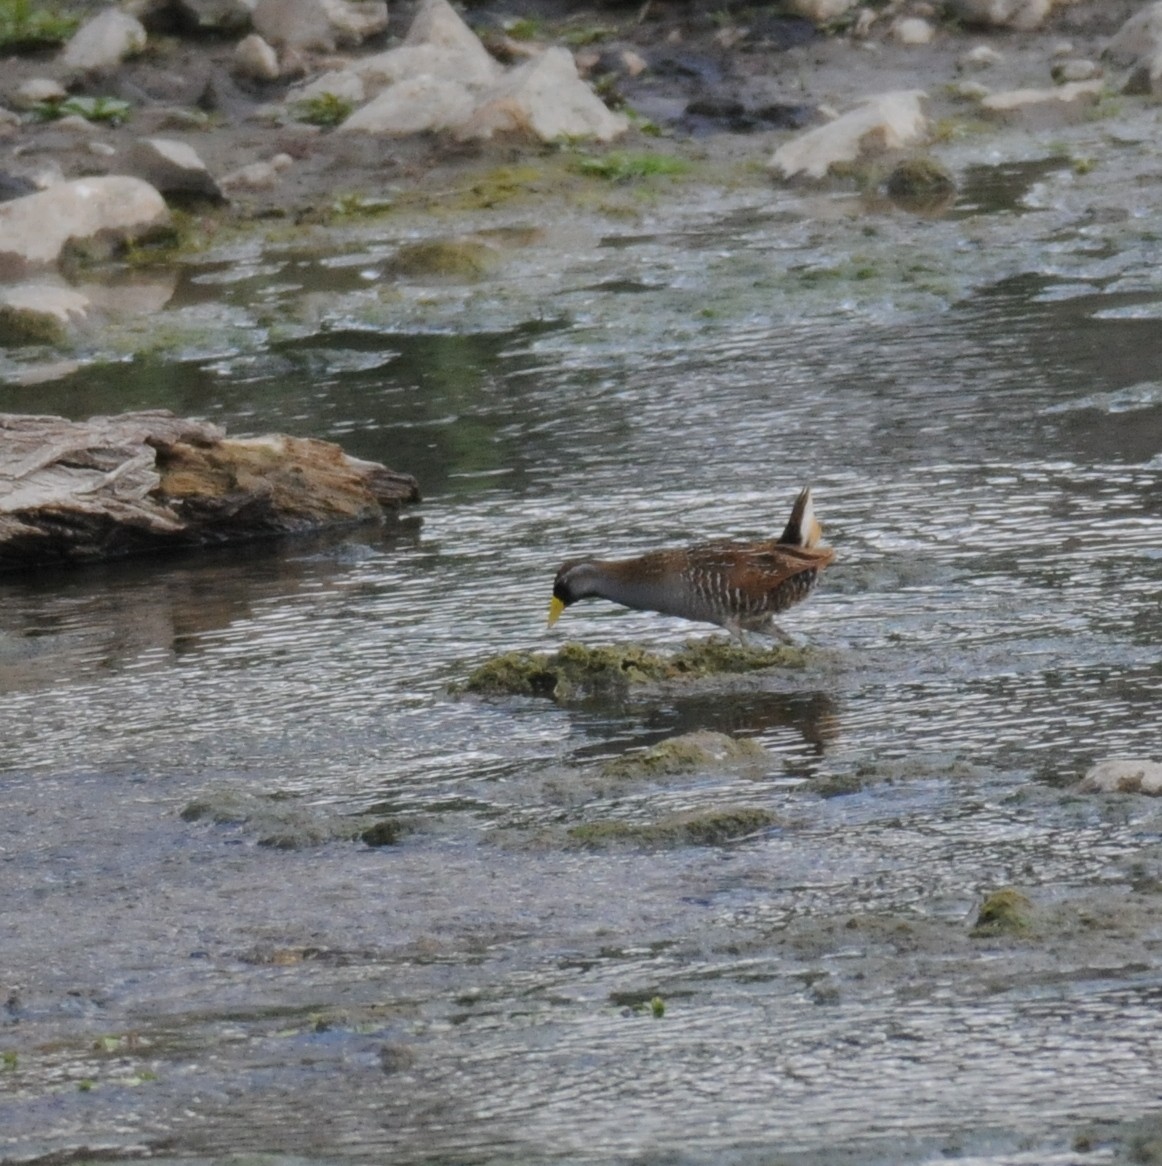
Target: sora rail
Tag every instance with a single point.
(739, 586)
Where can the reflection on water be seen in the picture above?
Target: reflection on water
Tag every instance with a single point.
(989, 475)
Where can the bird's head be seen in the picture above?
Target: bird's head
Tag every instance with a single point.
(575, 580)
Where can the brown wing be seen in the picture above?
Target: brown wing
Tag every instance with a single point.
(758, 567)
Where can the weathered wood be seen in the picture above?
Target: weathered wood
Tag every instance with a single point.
(75, 492)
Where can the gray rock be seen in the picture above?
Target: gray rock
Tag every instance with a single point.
(1015, 100)
(94, 212)
(1139, 39)
(419, 105)
(172, 167)
(1145, 80)
(37, 90)
(256, 59)
(103, 42)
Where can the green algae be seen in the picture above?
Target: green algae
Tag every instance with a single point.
(1004, 912)
(576, 671)
(691, 828)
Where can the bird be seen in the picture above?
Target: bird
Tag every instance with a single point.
(740, 586)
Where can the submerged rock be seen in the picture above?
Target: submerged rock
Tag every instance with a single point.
(697, 752)
(577, 672)
(77, 492)
(1004, 912)
(690, 828)
(921, 184)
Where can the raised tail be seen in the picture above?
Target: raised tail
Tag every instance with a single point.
(803, 529)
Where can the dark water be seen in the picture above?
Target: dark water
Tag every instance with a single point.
(985, 443)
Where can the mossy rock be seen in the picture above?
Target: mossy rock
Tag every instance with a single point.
(1004, 912)
(692, 828)
(577, 671)
(463, 259)
(283, 823)
(921, 184)
(689, 753)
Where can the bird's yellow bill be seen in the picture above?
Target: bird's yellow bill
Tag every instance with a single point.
(555, 609)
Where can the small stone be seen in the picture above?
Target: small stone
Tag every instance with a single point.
(172, 167)
(821, 11)
(1023, 15)
(216, 15)
(1018, 99)
(256, 59)
(103, 42)
(980, 57)
(257, 175)
(1136, 776)
(1071, 69)
(38, 91)
(913, 31)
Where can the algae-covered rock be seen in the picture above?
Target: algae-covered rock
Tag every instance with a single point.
(692, 828)
(921, 184)
(688, 753)
(577, 671)
(467, 259)
(284, 823)
(1004, 912)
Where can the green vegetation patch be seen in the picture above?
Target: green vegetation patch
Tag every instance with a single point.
(111, 110)
(624, 166)
(324, 109)
(26, 27)
(576, 671)
(691, 828)
(1004, 912)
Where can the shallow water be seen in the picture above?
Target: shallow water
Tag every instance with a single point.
(977, 402)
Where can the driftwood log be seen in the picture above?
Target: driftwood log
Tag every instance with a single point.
(109, 487)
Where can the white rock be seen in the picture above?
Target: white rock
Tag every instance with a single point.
(546, 98)
(418, 105)
(821, 11)
(171, 167)
(1137, 776)
(318, 24)
(1074, 69)
(1018, 14)
(255, 58)
(103, 42)
(980, 57)
(35, 229)
(913, 31)
(1139, 39)
(257, 175)
(36, 90)
(969, 91)
(1017, 99)
(39, 311)
(889, 121)
(475, 70)
(344, 84)
(436, 22)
